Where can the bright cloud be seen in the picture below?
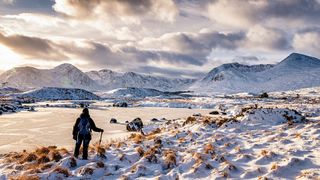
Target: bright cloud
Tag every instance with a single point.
(166, 37)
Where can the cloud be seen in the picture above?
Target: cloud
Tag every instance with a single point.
(171, 72)
(123, 10)
(8, 1)
(245, 13)
(192, 48)
(32, 47)
(268, 39)
(308, 41)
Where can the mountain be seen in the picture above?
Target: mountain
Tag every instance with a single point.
(294, 72)
(112, 80)
(51, 93)
(65, 75)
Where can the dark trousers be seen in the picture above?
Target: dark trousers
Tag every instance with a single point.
(85, 141)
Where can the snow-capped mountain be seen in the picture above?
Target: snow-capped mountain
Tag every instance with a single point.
(65, 75)
(51, 93)
(294, 72)
(111, 80)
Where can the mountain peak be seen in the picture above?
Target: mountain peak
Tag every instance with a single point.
(66, 66)
(298, 60)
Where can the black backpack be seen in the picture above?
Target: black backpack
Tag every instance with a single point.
(84, 126)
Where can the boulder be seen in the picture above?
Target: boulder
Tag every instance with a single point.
(135, 125)
(214, 112)
(120, 104)
(113, 121)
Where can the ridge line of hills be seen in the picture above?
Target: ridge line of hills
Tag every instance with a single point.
(294, 72)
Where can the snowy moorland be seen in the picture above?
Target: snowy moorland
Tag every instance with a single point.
(247, 143)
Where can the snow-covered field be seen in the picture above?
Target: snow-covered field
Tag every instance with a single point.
(245, 138)
(53, 126)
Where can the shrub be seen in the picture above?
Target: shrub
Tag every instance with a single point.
(43, 159)
(63, 171)
(190, 120)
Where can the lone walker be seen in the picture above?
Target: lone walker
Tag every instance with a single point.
(82, 133)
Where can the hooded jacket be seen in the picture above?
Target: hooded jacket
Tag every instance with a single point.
(93, 127)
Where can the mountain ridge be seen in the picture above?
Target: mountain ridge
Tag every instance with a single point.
(295, 71)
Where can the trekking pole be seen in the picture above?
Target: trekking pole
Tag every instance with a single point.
(100, 138)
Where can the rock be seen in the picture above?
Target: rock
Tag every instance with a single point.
(135, 125)
(197, 114)
(214, 112)
(264, 95)
(154, 120)
(113, 121)
(120, 104)
(31, 109)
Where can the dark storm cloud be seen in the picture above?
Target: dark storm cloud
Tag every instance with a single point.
(248, 12)
(305, 9)
(191, 48)
(32, 47)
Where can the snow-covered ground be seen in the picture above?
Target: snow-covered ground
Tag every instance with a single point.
(53, 126)
(241, 136)
(259, 142)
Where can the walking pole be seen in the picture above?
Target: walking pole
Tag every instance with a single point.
(100, 139)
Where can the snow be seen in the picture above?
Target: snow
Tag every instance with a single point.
(53, 93)
(295, 72)
(271, 140)
(65, 75)
(113, 80)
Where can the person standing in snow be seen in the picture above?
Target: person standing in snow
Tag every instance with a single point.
(82, 132)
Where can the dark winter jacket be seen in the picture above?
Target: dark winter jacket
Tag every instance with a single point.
(92, 126)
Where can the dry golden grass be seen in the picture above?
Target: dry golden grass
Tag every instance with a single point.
(209, 149)
(140, 151)
(45, 166)
(137, 138)
(297, 135)
(43, 159)
(63, 171)
(190, 120)
(29, 158)
(25, 177)
(264, 153)
(86, 171)
(156, 131)
(170, 159)
(42, 151)
(101, 152)
(150, 155)
(55, 156)
(182, 140)
(100, 164)
(274, 166)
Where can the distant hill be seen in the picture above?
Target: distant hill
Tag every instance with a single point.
(52, 93)
(112, 80)
(294, 72)
(65, 75)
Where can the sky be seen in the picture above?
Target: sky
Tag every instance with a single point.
(172, 38)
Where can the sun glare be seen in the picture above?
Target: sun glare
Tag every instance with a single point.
(9, 59)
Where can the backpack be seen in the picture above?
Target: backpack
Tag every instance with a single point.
(84, 126)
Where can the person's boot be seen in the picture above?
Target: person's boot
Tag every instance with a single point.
(76, 150)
